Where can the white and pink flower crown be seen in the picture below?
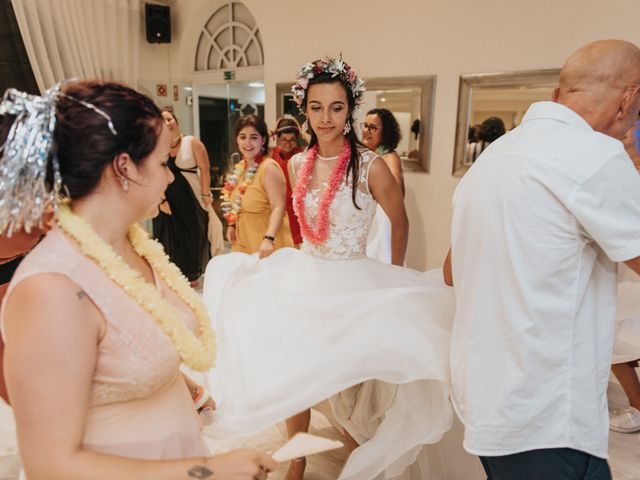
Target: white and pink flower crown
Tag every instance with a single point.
(337, 67)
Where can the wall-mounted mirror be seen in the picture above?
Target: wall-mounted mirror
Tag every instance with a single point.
(410, 99)
(491, 104)
(285, 103)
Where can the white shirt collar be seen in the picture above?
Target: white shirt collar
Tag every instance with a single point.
(555, 111)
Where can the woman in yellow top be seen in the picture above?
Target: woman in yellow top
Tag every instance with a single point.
(254, 194)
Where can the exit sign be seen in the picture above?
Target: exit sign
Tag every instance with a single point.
(229, 75)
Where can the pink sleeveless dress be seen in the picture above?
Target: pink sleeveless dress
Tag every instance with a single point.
(141, 407)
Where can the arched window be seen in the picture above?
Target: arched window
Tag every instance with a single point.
(229, 39)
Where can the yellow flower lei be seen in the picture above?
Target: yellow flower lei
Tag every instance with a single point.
(197, 353)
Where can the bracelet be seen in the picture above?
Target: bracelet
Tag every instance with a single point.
(269, 237)
(232, 225)
(205, 196)
(201, 399)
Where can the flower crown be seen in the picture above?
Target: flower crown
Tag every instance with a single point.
(337, 67)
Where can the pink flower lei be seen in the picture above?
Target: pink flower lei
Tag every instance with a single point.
(321, 232)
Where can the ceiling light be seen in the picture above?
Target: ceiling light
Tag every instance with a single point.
(256, 84)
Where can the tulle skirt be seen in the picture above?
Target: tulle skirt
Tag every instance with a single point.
(372, 338)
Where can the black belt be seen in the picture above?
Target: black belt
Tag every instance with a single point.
(8, 269)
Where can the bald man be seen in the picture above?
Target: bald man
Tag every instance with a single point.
(539, 222)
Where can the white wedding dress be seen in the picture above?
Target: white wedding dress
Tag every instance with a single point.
(326, 322)
(379, 240)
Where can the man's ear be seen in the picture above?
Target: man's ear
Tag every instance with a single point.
(627, 102)
(555, 94)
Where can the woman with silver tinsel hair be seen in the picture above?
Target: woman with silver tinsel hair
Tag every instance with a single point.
(96, 320)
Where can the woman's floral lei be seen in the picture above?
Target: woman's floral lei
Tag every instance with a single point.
(197, 350)
(320, 233)
(337, 68)
(231, 209)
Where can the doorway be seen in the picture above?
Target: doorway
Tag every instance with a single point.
(219, 107)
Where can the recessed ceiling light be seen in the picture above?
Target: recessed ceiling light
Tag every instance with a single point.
(256, 84)
(383, 99)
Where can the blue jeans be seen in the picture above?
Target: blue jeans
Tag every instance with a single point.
(546, 464)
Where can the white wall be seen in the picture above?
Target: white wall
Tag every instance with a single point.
(411, 37)
(156, 65)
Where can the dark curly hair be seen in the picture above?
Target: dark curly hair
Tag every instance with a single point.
(390, 129)
(474, 130)
(492, 128)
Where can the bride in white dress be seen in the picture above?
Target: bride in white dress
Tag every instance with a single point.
(326, 322)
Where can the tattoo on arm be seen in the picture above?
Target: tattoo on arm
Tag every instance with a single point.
(81, 294)
(200, 471)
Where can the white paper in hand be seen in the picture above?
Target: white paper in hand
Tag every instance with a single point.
(302, 445)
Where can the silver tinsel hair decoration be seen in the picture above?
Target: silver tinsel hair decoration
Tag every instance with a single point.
(24, 195)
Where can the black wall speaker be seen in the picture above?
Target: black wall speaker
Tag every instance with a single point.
(158, 22)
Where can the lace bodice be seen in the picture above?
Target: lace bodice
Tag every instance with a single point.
(349, 226)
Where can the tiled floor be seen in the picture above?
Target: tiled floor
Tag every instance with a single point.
(624, 449)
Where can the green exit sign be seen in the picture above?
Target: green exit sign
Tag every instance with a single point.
(229, 75)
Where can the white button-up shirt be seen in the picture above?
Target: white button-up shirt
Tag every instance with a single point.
(538, 222)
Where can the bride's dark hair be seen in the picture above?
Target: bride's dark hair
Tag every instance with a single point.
(354, 162)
